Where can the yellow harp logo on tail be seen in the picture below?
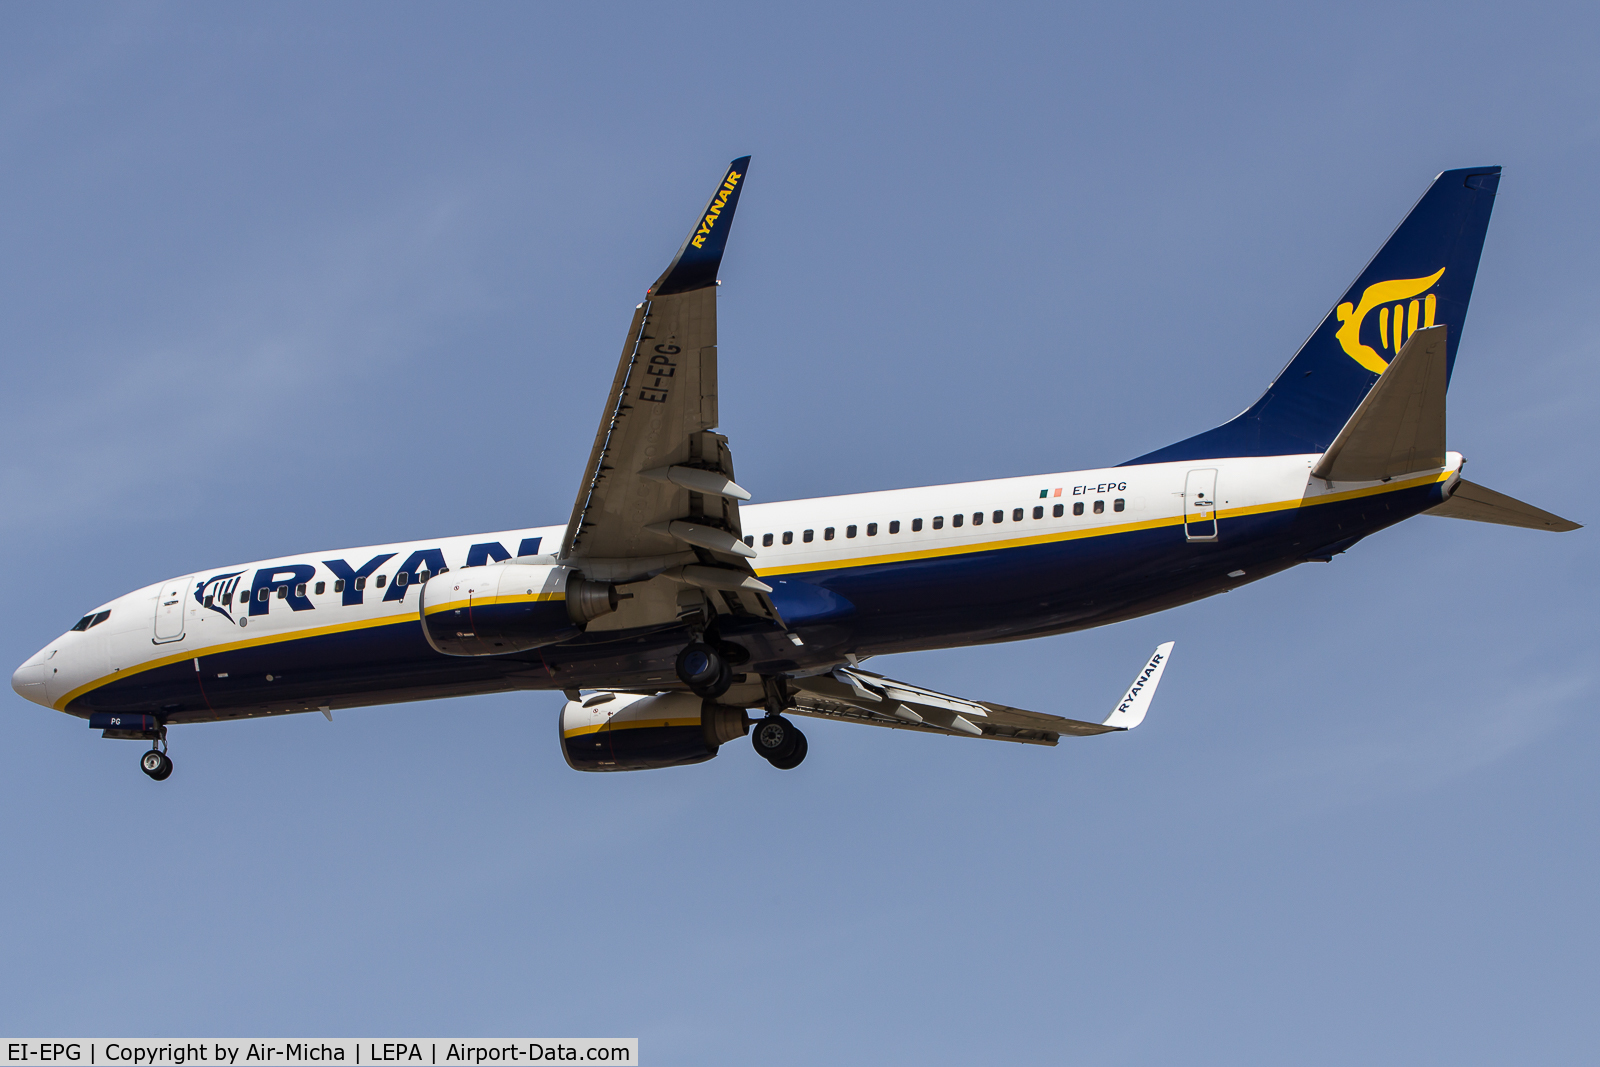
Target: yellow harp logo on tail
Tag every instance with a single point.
(1395, 324)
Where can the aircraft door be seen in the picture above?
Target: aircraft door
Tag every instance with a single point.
(171, 604)
(1200, 505)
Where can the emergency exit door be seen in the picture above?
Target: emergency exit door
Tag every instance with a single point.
(1200, 505)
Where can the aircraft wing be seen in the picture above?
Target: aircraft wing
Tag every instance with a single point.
(855, 695)
(658, 499)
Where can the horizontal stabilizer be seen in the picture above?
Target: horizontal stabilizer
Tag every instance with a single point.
(1473, 501)
(1399, 426)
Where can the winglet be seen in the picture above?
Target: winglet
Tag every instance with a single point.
(695, 265)
(1130, 710)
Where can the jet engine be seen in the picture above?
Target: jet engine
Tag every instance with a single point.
(509, 607)
(629, 732)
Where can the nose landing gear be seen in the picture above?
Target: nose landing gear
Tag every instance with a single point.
(157, 764)
(779, 742)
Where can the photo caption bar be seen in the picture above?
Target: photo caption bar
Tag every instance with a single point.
(303, 1052)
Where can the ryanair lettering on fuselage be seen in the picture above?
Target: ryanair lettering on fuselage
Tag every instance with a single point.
(729, 184)
(228, 593)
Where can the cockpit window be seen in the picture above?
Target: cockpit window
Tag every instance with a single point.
(92, 620)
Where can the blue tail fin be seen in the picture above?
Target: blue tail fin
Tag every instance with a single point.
(1422, 276)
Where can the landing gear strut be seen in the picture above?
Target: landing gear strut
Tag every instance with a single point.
(779, 742)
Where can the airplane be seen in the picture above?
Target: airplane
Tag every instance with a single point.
(668, 606)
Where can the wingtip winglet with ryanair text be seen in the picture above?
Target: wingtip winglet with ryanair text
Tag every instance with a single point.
(676, 616)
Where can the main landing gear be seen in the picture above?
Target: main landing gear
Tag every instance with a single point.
(708, 669)
(779, 742)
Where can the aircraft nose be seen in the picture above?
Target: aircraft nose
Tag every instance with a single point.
(28, 681)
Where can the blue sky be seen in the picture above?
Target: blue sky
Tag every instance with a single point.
(277, 279)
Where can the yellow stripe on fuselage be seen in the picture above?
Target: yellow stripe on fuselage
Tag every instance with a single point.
(859, 561)
(232, 646)
(1091, 531)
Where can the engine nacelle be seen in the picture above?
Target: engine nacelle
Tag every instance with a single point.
(627, 732)
(509, 607)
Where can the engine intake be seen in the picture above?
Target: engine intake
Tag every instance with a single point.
(628, 732)
(510, 607)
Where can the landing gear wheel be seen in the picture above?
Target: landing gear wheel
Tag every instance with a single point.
(775, 738)
(793, 759)
(704, 670)
(157, 764)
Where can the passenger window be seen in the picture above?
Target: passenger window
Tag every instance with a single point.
(382, 580)
(1058, 510)
(955, 520)
(766, 540)
(849, 531)
(1077, 508)
(938, 522)
(977, 518)
(827, 535)
(440, 571)
(1038, 512)
(300, 590)
(1118, 504)
(361, 583)
(227, 598)
(263, 593)
(1016, 515)
(872, 529)
(788, 537)
(750, 540)
(338, 585)
(322, 587)
(1000, 516)
(894, 527)
(1099, 507)
(916, 525)
(283, 592)
(422, 575)
(402, 578)
(807, 536)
